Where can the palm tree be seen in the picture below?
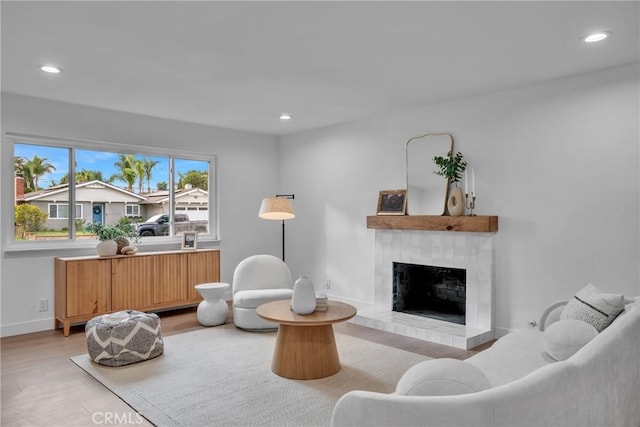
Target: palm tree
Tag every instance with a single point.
(38, 167)
(126, 165)
(148, 165)
(140, 173)
(18, 166)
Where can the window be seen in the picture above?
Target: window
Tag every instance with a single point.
(61, 211)
(109, 186)
(132, 210)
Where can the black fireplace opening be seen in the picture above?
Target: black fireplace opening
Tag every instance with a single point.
(430, 291)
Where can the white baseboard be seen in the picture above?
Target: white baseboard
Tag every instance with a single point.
(26, 327)
(500, 332)
(359, 304)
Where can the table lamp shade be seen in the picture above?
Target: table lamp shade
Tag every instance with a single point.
(277, 208)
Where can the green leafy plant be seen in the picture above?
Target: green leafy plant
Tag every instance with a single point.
(112, 232)
(28, 219)
(451, 167)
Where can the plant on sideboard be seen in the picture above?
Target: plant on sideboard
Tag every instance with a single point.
(451, 167)
(112, 237)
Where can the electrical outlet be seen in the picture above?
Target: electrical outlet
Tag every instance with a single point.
(43, 304)
(327, 284)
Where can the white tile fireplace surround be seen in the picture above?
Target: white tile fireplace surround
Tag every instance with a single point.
(471, 251)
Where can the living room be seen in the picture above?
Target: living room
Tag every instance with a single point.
(556, 156)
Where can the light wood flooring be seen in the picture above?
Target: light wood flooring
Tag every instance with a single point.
(42, 387)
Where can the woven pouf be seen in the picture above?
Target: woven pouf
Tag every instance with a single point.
(124, 337)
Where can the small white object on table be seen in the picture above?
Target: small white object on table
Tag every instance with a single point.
(212, 310)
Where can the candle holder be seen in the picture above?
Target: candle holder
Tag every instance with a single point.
(470, 205)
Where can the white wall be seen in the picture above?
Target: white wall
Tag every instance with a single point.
(557, 162)
(247, 172)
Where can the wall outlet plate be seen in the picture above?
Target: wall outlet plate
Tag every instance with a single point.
(43, 304)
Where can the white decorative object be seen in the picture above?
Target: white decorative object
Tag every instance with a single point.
(304, 296)
(213, 309)
(455, 203)
(107, 248)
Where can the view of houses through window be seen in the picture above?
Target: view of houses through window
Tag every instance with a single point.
(110, 188)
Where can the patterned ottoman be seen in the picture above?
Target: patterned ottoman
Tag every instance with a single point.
(124, 337)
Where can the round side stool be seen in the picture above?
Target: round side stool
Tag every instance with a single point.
(212, 310)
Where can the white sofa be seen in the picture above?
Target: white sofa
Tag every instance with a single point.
(599, 385)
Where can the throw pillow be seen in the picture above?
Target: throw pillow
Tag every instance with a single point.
(594, 307)
(442, 377)
(564, 338)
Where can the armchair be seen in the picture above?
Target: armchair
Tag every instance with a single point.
(257, 280)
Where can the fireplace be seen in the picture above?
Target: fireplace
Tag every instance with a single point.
(430, 291)
(472, 253)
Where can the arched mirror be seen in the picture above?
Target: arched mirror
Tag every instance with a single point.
(426, 191)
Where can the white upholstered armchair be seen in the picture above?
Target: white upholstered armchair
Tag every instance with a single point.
(257, 280)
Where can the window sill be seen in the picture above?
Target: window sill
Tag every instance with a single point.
(82, 247)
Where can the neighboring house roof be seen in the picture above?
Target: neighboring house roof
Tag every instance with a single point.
(182, 196)
(120, 195)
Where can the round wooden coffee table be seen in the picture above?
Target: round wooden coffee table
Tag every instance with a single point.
(305, 346)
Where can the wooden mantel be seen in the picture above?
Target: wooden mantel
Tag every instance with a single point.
(477, 224)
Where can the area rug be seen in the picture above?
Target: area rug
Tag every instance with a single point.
(221, 376)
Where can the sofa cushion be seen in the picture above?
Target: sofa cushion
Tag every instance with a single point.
(512, 357)
(565, 337)
(442, 377)
(255, 297)
(594, 307)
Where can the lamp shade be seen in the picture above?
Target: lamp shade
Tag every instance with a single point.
(278, 208)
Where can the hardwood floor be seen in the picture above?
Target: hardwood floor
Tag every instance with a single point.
(42, 387)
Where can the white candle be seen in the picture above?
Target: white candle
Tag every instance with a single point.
(473, 183)
(466, 184)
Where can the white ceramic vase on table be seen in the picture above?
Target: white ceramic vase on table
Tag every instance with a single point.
(304, 296)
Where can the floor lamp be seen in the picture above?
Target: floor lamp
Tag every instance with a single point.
(278, 208)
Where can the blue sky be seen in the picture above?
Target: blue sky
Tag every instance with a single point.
(99, 160)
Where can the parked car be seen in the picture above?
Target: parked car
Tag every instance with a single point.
(158, 225)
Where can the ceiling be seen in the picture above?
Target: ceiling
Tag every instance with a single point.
(239, 65)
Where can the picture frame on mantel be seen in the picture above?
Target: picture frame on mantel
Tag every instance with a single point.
(392, 202)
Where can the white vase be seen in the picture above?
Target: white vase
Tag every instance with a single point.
(107, 248)
(304, 296)
(455, 202)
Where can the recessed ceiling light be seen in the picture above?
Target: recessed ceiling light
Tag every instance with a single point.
(597, 37)
(50, 69)
(286, 116)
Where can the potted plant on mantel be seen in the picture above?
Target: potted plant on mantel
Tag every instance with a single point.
(452, 167)
(112, 237)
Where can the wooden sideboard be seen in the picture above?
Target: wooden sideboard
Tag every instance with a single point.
(89, 286)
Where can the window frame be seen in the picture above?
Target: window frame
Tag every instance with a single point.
(7, 151)
(132, 205)
(78, 205)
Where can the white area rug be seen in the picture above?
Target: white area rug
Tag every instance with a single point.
(221, 376)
